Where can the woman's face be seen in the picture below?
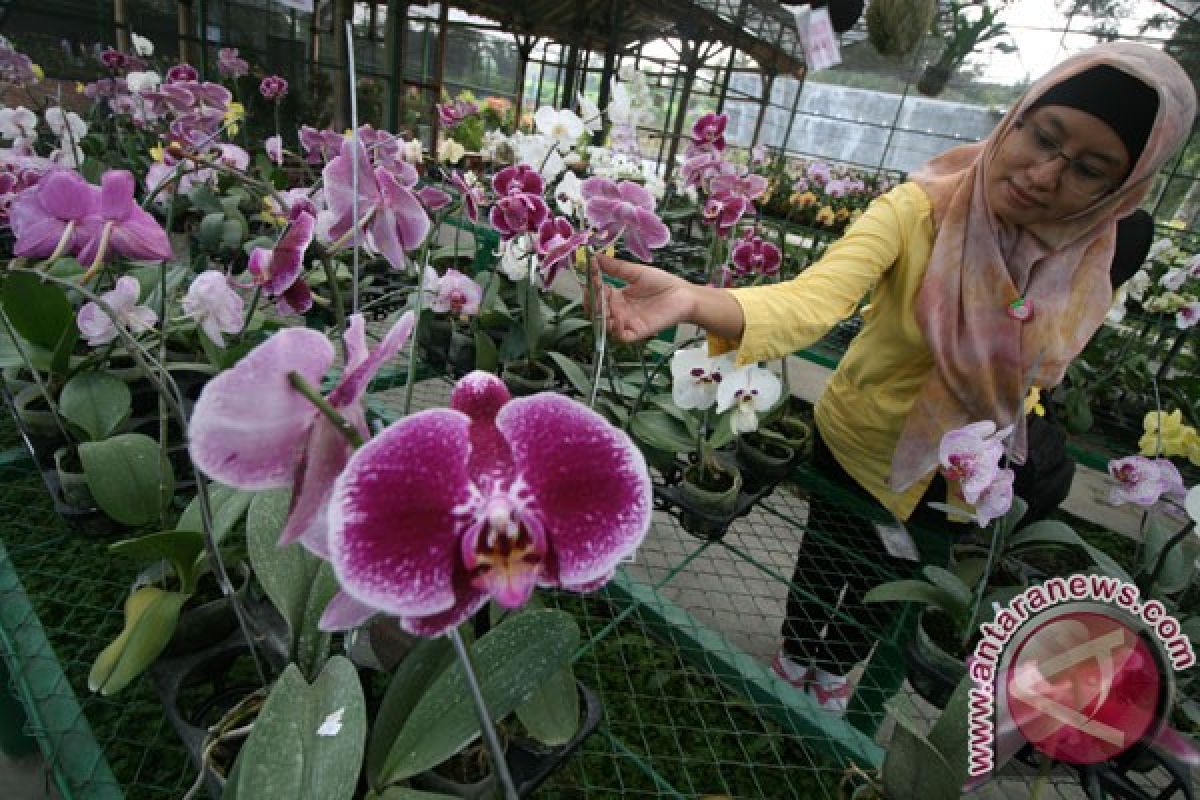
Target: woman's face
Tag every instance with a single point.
(1055, 162)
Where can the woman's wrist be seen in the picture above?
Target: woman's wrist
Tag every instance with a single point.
(717, 311)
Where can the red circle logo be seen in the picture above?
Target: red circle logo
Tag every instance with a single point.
(1083, 688)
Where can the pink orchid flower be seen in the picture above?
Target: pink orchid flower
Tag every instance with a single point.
(182, 72)
(749, 185)
(119, 226)
(724, 209)
(387, 206)
(472, 194)
(818, 172)
(454, 293)
(214, 305)
(557, 241)
(320, 145)
(625, 209)
(99, 328)
(252, 430)
(486, 499)
(52, 215)
(274, 148)
(433, 198)
(971, 456)
(273, 88)
(708, 134)
(277, 270)
(996, 499)
(1143, 481)
(451, 115)
(229, 65)
(753, 255)
(519, 207)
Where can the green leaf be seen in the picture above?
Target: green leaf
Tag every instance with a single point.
(228, 506)
(913, 591)
(1078, 411)
(204, 199)
(552, 715)
(722, 433)
(181, 548)
(39, 312)
(487, 357)
(531, 307)
(513, 661)
(405, 793)
(212, 228)
(307, 743)
(127, 477)
(412, 678)
(660, 430)
(96, 402)
(298, 583)
(574, 372)
(969, 570)
(944, 579)
(150, 617)
(1180, 564)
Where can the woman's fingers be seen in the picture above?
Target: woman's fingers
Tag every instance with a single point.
(621, 270)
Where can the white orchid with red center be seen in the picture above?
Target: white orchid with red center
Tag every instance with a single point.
(971, 456)
(453, 292)
(749, 391)
(1143, 481)
(696, 376)
(486, 499)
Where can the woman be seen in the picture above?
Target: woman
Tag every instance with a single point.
(988, 273)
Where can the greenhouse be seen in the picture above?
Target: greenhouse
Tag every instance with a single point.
(600, 399)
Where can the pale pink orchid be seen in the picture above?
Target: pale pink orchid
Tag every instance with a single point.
(489, 498)
(818, 172)
(700, 169)
(624, 209)
(1188, 315)
(557, 241)
(971, 456)
(274, 147)
(251, 429)
(453, 292)
(749, 391)
(451, 115)
(99, 328)
(519, 207)
(696, 377)
(214, 305)
(278, 270)
(1143, 481)
(996, 498)
(320, 145)
(229, 64)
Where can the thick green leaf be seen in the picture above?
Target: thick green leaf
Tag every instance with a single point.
(662, 431)
(39, 312)
(1079, 412)
(183, 549)
(912, 763)
(96, 402)
(574, 372)
(911, 591)
(412, 678)
(944, 579)
(150, 617)
(487, 357)
(204, 199)
(307, 743)
(532, 310)
(405, 793)
(298, 583)
(552, 715)
(228, 506)
(513, 661)
(127, 477)
(1180, 564)
(722, 433)
(969, 570)
(212, 229)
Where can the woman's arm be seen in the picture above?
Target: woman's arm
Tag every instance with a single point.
(653, 300)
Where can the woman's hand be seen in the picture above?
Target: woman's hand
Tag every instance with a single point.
(651, 300)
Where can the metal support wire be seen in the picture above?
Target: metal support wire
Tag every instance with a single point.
(352, 76)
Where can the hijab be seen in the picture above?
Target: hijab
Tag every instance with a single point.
(985, 360)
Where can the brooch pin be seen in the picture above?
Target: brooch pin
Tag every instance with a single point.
(1020, 309)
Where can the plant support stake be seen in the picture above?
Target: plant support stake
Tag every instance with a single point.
(485, 720)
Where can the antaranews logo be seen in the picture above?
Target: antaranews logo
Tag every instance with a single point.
(1078, 666)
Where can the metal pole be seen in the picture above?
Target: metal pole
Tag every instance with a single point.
(438, 76)
(397, 28)
(689, 53)
(768, 85)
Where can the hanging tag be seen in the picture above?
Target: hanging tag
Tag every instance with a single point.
(820, 43)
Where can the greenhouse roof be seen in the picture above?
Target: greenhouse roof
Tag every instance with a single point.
(761, 28)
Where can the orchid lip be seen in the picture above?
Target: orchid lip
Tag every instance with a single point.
(503, 545)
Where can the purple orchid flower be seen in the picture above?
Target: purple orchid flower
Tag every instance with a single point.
(114, 59)
(557, 241)
(754, 255)
(708, 134)
(519, 206)
(1143, 481)
(451, 115)
(749, 186)
(13, 181)
(386, 203)
(488, 498)
(278, 270)
(182, 72)
(818, 173)
(52, 214)
(724, 209)
(320, 145)
(627, 209)
(702, 168)
(99, 328)
(252, 430)
(119, 226)
(273, 88)
(473, 195)
(229, 64)
(433, 198)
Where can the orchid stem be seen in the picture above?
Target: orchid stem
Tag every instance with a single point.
(335, 293)
(411, 379)
(1161, 561)
(314, 396)
(499, 764)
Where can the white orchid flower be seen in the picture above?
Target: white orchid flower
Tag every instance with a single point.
(141, 45)
(568, 196)
(18, 123)
(450, 151)
(590, 113)
(142, 81)
(65, 124)
(514, 258)
(749, 391)
(561, 124)
(695, 377)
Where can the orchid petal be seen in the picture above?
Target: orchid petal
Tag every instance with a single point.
(344, 613)
(355, 379)
(297, 299)
(324, 458)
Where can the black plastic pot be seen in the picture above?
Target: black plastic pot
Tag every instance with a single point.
(697, 513)
(763, 462)
(529, 763)
(932, 672)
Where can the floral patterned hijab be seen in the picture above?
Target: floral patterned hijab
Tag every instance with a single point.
(984, 359)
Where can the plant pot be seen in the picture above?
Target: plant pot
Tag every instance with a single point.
(35, 416)
(434, 336)
(708, 506)
(934, 79)
(529, 763)
(932, 672)
(763, 461)
(72, 481)
(528, 377)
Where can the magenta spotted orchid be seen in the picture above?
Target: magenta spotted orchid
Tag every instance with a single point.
(624, 209)
(557, 241)
(753, 255)
(708, 134)
(519, 207)
(277, 271)
(273, 88)
(1144, 481)
(486, 499)
(251, 429)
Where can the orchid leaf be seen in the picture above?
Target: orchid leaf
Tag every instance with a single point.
(39, 312)
(914, 591)
(228, 506)
(298, 583)
(127, 477)
(659, 430)
(182, 549)
(574, 373)
(307, 743)
(95, 402)
(513, 660)
(487, 357)
(212, 228)
(722, 433)
(150, 617)
(551, 716)
(405, 793)
(944, 579)
(1180, 563)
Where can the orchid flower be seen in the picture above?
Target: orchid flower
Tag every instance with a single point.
(277, 270)
(569, 195)
(455, 293)
(119, 226)
(696, 377)
(182, 72)
(754, 255)
(273, 88)
(708, 134)
(18, 123)
(320, 145)
(749, 185)
(557, 241)
(971, 455)
(1143, 481)
(451, 115)
(450, 151)
(486, 499)
(514, 257)
(229, 65)
(625, 209)
(589, 112)
(98, 328)
(723, 209)
(274, 147)
(749, 391)
(519, 207)
(251, 429)
(996, 498)
(1188, 315)
(387, 206)
(47, 219)
(65, 124)
(539, 152)
(214, 305)
(472, 193)
(561, 125)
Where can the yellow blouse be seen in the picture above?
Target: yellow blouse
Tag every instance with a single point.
(861, 414)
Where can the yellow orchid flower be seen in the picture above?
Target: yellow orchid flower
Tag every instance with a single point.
(1165, 434)
(38, 72)
(235, 114)
(158, 153)
(825, 216)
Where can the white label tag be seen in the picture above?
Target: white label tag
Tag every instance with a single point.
(897, 541)
(820, 43)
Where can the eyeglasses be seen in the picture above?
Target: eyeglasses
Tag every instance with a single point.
(1082, 176)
